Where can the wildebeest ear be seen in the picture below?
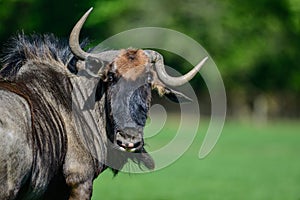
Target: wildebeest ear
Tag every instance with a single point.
(95, 66)
(176, 96)
(171, 94)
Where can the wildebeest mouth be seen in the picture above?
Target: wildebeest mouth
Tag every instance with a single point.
(129, 140)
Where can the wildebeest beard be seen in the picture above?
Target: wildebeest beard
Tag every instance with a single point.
(128, 104)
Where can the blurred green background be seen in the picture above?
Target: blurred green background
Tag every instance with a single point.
(249, 162)
(255, 45)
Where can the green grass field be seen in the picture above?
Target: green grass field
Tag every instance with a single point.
(249, 162)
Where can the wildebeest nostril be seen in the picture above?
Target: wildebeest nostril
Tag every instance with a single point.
(120, 143)
(137, 144)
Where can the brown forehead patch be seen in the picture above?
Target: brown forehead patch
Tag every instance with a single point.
(131, 63)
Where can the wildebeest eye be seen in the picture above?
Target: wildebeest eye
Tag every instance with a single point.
(110, 77)
(149, 78)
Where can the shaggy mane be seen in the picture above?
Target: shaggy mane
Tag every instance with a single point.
(36, 48)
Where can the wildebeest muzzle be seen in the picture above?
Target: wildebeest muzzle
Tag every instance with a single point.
(129, 139)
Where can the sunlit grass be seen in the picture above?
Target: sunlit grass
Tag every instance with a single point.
(249, 162)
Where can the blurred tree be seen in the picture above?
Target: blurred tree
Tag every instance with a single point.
(33, 16)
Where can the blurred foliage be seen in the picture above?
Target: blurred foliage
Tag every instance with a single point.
(254, 43)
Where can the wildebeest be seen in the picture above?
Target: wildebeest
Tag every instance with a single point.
(66, 115)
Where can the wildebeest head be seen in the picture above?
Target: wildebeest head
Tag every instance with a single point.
(129, 95)
(129, 75)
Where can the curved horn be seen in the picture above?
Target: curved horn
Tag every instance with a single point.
(170, 80)
(74, 38)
